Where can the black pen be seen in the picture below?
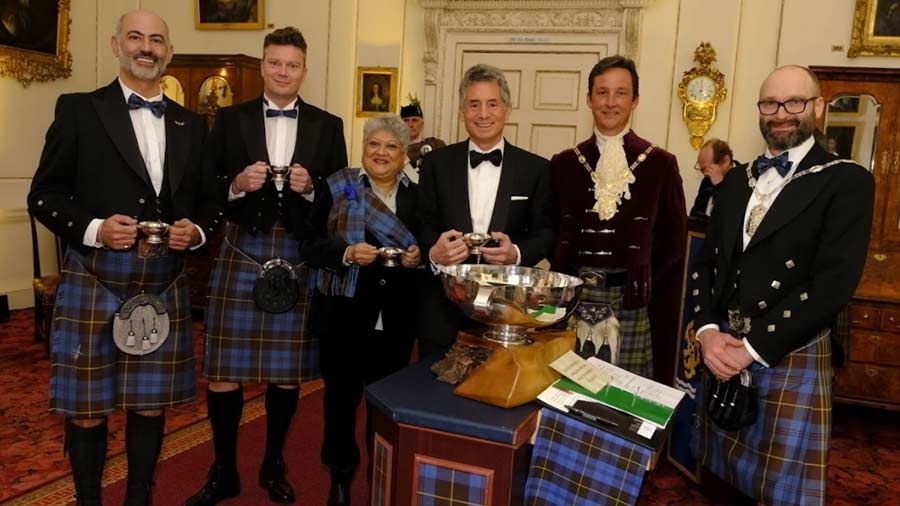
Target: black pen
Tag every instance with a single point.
(592, 418)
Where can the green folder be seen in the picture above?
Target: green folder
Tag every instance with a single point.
(623, 401)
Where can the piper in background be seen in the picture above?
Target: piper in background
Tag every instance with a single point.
(622, 227)
(418, 147)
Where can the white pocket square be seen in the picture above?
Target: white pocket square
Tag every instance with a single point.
(518, 197)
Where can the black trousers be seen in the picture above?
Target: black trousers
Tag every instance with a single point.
(349, 363)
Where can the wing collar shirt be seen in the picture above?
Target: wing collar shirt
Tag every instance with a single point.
(484, 180)
(150, 132)
(768, 181)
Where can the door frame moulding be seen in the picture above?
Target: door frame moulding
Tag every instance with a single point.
(520, 22)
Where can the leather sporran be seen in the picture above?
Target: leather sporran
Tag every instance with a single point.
(733, 404)
(276, 289)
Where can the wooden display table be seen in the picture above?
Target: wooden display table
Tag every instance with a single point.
(433, 447)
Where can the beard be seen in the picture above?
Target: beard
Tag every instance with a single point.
(128, 62)
(804, 126)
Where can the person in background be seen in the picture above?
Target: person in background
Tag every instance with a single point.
(418, 146)
(714, 161)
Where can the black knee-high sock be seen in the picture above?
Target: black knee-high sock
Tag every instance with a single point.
(225, 410)
(143, 442)
(281, 404)
(87, 456)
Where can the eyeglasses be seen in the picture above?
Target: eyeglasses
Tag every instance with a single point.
(792, 106)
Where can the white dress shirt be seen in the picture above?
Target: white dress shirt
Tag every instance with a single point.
(281, 139)
(483, 183)
(150, 133)
(768, 181)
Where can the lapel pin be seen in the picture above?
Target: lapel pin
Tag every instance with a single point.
(179, 123)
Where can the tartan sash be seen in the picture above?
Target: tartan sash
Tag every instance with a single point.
(355, 210)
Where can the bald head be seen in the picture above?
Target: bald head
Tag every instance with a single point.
(143, 17)
(796, 78)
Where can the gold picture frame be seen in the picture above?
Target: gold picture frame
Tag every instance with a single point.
(376, 91)
(229, 14)
(876, 29)
(34, 42)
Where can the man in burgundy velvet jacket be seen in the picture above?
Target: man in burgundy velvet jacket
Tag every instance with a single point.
(622, 226)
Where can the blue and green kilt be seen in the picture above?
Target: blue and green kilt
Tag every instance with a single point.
(575, 463)
(89, 376)
(244, 343)
(635, 346)
(781, 459)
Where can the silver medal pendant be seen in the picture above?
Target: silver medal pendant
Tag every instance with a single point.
(757, 213)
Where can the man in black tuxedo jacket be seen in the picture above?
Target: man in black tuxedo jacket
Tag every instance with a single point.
(115, 157)
(249, 338)
(784, 252)
(483, 184)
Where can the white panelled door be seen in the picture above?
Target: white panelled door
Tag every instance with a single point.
(548, 97)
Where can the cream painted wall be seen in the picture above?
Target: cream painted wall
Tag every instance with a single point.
(750, 36)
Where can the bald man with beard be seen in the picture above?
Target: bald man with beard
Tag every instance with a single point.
(115, 157)
(783, 254)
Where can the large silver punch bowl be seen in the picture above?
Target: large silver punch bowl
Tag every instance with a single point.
(511, 300)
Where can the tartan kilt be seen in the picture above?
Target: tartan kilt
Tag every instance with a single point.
(244, 343)
(782, 458)
(90, 377)
(635, 346)
(575, 463)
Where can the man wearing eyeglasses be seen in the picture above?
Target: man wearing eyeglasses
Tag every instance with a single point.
(784, 252)
(255, 320)
(714, 161)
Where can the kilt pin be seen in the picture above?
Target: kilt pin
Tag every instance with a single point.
(244, 343)
(90, 376)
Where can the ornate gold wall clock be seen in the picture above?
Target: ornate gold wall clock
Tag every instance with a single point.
(702, 89)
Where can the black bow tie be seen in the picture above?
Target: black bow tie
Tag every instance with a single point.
(158, 107)
(287, 113)
(495, 157)
(780, 162)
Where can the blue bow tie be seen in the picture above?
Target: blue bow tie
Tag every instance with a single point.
(287, 113)
(495, 157)
(158, 107)
(780, 162)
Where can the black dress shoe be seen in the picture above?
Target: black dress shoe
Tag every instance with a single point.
(220, 484)
(339, 494)
(271, 478)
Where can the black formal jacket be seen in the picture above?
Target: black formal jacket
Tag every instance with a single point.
(390, 290)
(800, 267)
(238, 139)
(444, 190)
(444, 201)
(91, 167)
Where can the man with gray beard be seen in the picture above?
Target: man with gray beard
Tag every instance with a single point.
(784, 251)
(121, 334)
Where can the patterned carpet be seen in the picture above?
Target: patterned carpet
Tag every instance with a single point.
(864, 468)
(31, 439)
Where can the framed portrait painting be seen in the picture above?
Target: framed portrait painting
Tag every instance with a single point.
(876, 28)
(34, 40)
(229, 14)
(376, 91)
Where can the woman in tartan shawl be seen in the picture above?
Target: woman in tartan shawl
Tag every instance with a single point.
(362, 309)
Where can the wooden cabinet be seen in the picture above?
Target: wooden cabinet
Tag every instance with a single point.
(865, 113)
(204, 83)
